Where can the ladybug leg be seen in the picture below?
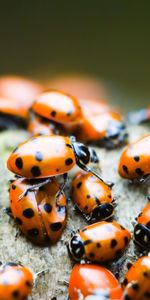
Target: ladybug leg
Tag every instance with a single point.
(62, 187)
(34, 187)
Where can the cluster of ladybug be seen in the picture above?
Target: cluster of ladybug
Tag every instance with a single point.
(39, 205)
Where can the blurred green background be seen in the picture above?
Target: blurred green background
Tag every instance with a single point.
(109, 40)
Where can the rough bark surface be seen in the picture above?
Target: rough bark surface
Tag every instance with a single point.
(14, 246)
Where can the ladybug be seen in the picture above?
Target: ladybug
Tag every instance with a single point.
(142, 228)
(47, 156)
(41, 214)
(57, 106)
(92, 197)
(135, 160)
(16, 97)
(139, 116)
(103, 126)
(101, 242)
(95, 281)
(16, 282)
(40, 126)
(137, 280)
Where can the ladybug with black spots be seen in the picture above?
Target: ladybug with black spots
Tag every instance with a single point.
(139, 116)
(93, 282)
(92, 197)
(49, 156)
(41, 215)
(102, 241)
(136, 284)
(142, 228)
(57, 106)
(16, 282)
(135, 160)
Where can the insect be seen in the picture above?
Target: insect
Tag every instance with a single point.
(142, 228)
(101, 125)
(41, 215)
(57, 106)
(101, 242)
(137, 280)
(139, 116)
(47, 156)
(16, 282)
(16, 97)
(40, 126)
(92, 197)
(94, 280)
(135, 160)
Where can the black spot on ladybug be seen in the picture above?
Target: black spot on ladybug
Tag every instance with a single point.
(92, 255)
(28, 283)
(126, 240)
(15, 150)
(35, 171)
(147, 294)
(16, 294)
(34, 232)
(135, 286)
(57, 170)
(88, 196)
(69, 113)
(86, 207)
(68, 161)
(47, 207)
(139, 172)
(28, 213)
(109, 196)
(136, 158)
(53, 113)
(87, 242)
(98, 245)
(38, 156)
(145, 274)
(13, 186)
(18, 221)
(19, 163)
(125, 168)
(113, 243)
(55, 226)
(125, 282)
(68, 145)
(119, 252)
(79, 185)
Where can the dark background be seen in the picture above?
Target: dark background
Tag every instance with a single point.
(106, 39)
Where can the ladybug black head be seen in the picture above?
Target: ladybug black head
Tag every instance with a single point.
(76, 247)
(102, 212)
(142, 236)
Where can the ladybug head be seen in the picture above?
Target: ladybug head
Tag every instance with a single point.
(116, 134)
(142, 236)
(83, 154)
(102, 212)
(76, 247)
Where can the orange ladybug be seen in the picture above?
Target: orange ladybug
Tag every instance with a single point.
(135, 160)
(16, 282)
(57, 106)
(93, 280)
(101, 125)
(41, 215)
(92, 197)
(101, 242)
(137, 280)
(142, 228)
(16, 97)
(46, 156)
(139, 116)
